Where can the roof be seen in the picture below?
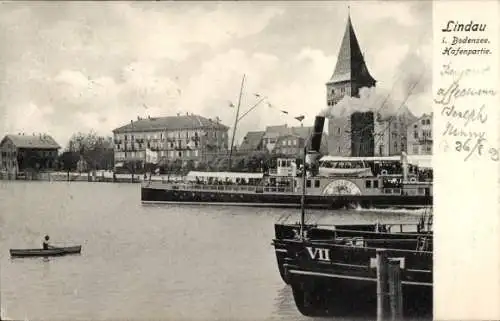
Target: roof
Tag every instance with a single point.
(171, 123)
(252, 140)
(423, 161)
(302, 132)
(30, 141)
(275, 131)
(351, 64)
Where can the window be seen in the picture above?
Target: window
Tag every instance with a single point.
(415, 134)
(368, 184)
(415, 149)
(375, 184)
(316, 183)
(308, 183)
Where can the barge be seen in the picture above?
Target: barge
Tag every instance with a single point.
(331, 268)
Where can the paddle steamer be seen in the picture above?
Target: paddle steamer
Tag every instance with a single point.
(332, 182)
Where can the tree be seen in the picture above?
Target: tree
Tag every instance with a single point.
(96, 150)
(202, 166)
(68, 160)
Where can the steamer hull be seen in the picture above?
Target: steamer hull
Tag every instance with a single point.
(150, 194)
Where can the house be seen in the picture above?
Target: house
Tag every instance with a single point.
(19, 153)
(281, 139)
(420, 136)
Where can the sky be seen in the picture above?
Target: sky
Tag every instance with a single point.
(68, 67)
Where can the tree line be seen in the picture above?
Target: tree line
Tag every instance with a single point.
(87, 151)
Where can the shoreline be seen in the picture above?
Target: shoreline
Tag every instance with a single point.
(96, 177)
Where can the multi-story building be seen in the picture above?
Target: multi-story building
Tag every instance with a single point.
(19, 153)
(391, 133)
(419, 135)
(281, 140)
(360, 133)
(271, 135)
(183, 137)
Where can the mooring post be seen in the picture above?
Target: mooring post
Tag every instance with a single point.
(382, 285)
(395, 290)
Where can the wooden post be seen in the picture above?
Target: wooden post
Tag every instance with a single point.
(382, 285)
(395, 290)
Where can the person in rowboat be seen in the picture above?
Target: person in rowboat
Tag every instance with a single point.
(46, 245)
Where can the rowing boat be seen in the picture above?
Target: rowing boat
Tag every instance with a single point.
(54, 251)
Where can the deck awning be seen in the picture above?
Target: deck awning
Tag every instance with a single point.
(422, 161)
(223, 175)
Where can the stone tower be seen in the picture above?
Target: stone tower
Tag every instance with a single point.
(350, 75)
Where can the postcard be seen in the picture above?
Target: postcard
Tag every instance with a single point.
(260, 160)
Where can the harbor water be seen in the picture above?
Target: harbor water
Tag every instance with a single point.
(144, 262)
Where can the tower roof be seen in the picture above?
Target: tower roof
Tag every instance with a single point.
(351, 64)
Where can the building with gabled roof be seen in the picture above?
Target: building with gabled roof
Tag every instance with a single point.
(21, 152)
(252, 142)
(281, 139)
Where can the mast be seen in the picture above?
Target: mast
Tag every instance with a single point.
(303, 196)
(236, 122)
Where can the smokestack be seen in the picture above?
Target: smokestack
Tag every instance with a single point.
(319, 122)
(313, 153)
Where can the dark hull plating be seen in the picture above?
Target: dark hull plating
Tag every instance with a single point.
(323, 296)
(156, 195)
(345, 284)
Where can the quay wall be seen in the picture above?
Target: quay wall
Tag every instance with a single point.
(98, 176)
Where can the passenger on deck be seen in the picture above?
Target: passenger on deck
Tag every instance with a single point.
(46, 245)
